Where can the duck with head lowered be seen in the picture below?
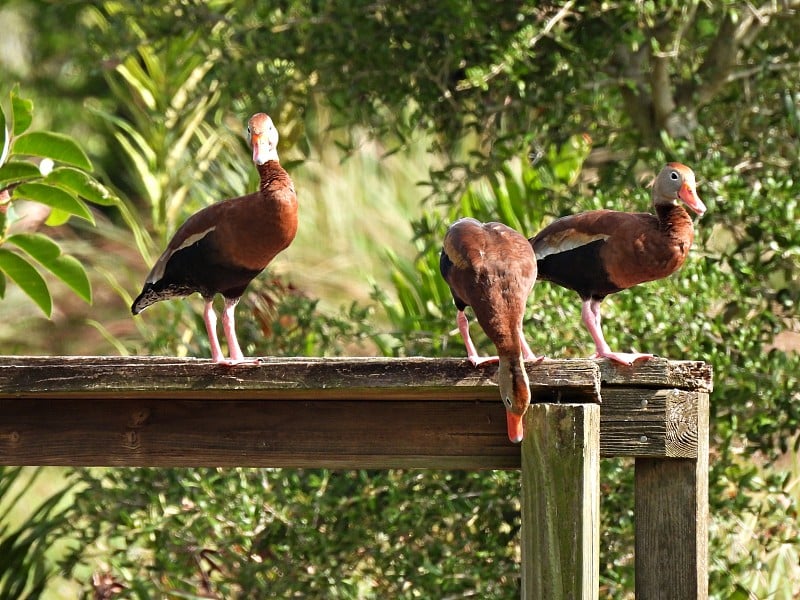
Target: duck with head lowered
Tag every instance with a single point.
(492, 268)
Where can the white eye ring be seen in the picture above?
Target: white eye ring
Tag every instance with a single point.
(507, 401)
(674, 176)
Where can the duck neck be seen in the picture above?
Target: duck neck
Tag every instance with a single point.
(673, 219)
(270, 172)
(512, 379)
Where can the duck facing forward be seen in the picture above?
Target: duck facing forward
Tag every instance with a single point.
(223, 247)
(601, 252)
(492, 268)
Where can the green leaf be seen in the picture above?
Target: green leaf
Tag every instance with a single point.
(15, 171)
(81, 184)
(55, 197)
(57, 218)
(27, 278)
(22, 111)
(2, 286)
(49, 255)
(6, 139)
(52, 145)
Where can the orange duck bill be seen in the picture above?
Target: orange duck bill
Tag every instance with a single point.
(515, 430)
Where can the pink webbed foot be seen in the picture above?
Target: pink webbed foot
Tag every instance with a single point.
(480, 360)
(532, 358)
(238, 362)
(623, 358)
(210, 319)
(527, 353)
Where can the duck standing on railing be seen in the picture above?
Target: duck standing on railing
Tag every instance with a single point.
(601, 252)
(492, 268)
(221, 248)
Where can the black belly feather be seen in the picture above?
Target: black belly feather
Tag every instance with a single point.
(446, 267)
(191, 270)
(579, 269)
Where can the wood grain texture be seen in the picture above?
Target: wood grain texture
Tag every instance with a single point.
(665, 422)
(342, 413)
(671, 516)
(658, 373)
(561, 502)
(329, 378)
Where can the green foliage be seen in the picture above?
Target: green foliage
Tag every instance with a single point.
(280, 533)
(538, 83)
(64, 189)
(24, 566)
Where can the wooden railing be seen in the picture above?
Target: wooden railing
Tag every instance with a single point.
(402, 413)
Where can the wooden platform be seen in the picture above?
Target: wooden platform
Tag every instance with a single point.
(401, 413)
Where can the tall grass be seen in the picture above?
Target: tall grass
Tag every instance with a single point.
(352, 210)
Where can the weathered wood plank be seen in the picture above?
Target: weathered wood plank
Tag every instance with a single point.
(671, 512)
(255, 433)
(639, 423)
(322, 378)
(205, 414)
(467, 434)
(658, 373)
(561, 502)
(649, 422)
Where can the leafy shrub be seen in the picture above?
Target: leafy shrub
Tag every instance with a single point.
(28, 172)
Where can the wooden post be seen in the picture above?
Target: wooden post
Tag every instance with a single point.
(671, 512)
(561, 502)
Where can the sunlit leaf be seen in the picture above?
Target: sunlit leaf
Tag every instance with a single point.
(27, 278)
(22, 111)
(47, 253)
(81, 184)
(54, 197)
(57, 217)
(15, 171)
(52, 145)
(5, 141)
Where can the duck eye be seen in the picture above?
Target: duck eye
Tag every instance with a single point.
(674, 176)
(507, 400)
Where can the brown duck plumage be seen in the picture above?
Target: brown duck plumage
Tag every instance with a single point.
(601, 252)
(492, 268)
(221, 248)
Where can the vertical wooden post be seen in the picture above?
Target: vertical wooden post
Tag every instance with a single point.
(561, 502)
(671, 512)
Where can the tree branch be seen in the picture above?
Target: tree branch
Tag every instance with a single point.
(529, 44)
(660, 83)
(733, 35)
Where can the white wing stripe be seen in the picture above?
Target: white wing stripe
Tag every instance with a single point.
(161, 264)
(567, 240)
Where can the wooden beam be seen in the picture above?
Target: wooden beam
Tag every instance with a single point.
(561, 502)
(340, 413)
(649, 423)
(658, 373)
(376, 379)
(671, 520)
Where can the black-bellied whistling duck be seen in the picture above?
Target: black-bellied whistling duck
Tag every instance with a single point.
(221, 248)
(601, 252)
(492, 268)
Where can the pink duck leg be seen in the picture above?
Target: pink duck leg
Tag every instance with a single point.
(590, 313)
(527, 353)
(472, 353)
(228, 326)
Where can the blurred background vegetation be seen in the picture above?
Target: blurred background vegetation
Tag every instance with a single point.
(396, 118)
